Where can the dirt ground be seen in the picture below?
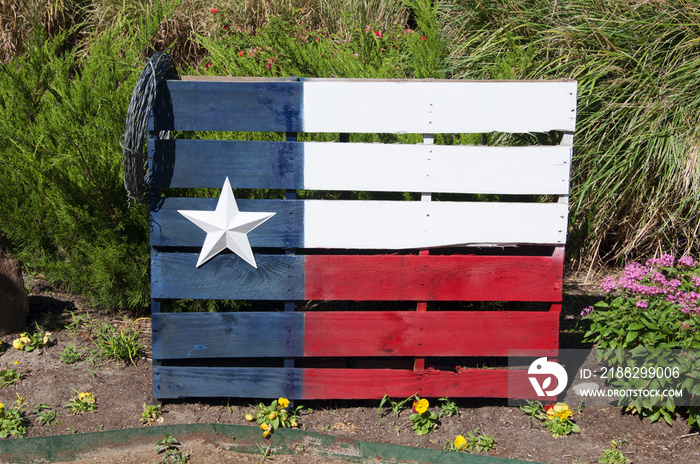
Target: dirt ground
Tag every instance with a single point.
(122, 390)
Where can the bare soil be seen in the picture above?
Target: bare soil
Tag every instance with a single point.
(122, 390)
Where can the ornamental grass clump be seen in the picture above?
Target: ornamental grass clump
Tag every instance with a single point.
(650, 318)
(271, 417)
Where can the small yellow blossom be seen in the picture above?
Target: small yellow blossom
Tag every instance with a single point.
(283, 402)
(264, 426)
(272, 415)
(15, 363)
(249, 417)
(1, 406)
(47, 338)
(18, 344)
(267, 433)
(421, 406)
(460, 442)
(25, 339)
(559, 410)
(293, 423)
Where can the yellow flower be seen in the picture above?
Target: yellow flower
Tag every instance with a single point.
(249, 417)
(460, 442)
(1, 406)
(24, 339)
(421, 406)
(559, 410)
(47, 338)
(18, 344)
(283, 402)
(267, 433)
(264, 426)
(272, 415)
(293, 423)
(15, 363)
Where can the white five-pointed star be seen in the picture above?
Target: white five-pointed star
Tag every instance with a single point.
(226, 227)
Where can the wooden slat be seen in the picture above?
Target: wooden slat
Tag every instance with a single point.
(251, 382)
(179, 382)
(170, 228)
(243, 105)
(374, 224)
(358, 277)
(342, 105)
(417, 224)
(206, 163)
(361, 166)
(353, 333)
(433, 278)
(412, 106)
(437, 168)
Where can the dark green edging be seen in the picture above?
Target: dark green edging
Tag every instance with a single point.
(238, 438)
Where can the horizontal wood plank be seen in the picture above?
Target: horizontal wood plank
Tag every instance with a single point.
(420, 224)
(340, 224)
(241, 382)
(228, 335)
(243, 105)
(206, 163)
(430, 333)
(182, 382)
(437, 168)
(227, 277)
(358, 277)
(361, 166)
(412, 106)
(284, 230)
(353, 334)
(347, 105)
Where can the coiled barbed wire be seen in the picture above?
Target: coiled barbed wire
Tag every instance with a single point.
(134, 158)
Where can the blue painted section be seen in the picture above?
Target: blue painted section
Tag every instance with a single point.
(283, 230)
(227, 277)
(227, 382)
(228, 335)
(206, 163)
(229, 106)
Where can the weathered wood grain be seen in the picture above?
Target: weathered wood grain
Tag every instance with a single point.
(361, 167)
(354, 334)
(358, 277)
(273, 106)
(294, 383)
(393, 225)
(413, 106)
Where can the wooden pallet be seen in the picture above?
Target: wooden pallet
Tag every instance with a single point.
(360, 298)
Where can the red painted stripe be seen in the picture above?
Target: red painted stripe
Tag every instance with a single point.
(433, 278)
(429, 333)
(402, 383)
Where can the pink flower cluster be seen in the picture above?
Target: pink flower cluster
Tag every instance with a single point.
(658, 277)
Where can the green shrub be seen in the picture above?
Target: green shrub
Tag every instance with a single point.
(64, 209)
(285, 47)
(650, 319)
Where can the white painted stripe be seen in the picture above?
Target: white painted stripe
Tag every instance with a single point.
(418, 224)
(416, 106)
(436, 168)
